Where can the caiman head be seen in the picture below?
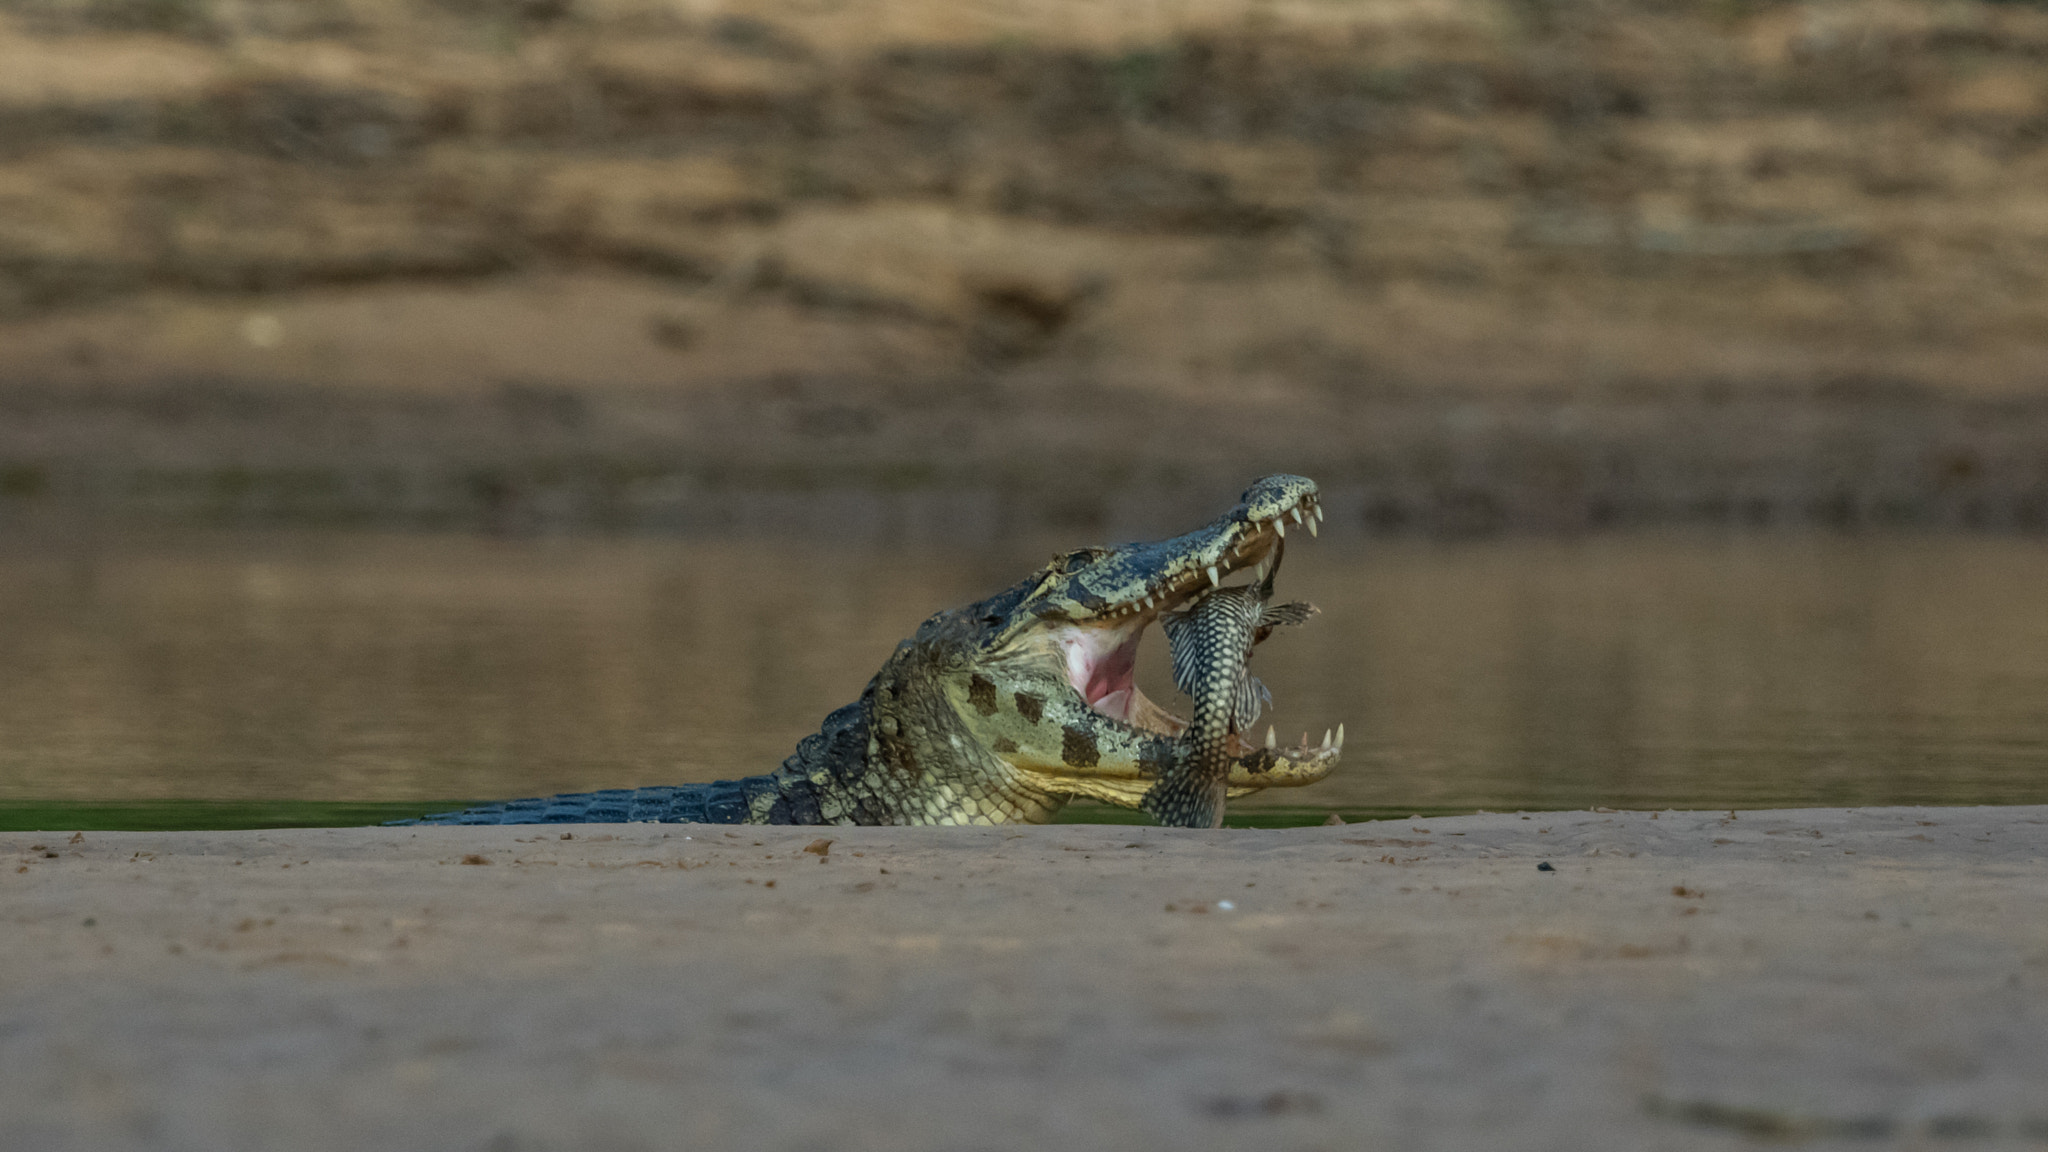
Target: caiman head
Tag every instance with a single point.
(1028, 698)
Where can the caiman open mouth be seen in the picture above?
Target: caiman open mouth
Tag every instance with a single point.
(1101, 653)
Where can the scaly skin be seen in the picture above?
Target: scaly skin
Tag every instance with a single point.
(1212, 650)
(981, 717)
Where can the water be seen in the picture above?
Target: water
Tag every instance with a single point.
(1633, 671)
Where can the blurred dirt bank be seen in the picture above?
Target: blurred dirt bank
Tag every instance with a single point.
(1475, 265)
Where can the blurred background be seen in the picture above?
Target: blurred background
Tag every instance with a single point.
(409, 401)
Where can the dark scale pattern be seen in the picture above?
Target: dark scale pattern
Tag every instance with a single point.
(981, 692)
(1077, 748)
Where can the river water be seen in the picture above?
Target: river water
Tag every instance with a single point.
(1633, 671)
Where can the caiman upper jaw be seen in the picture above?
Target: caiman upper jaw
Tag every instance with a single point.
(1111, 584)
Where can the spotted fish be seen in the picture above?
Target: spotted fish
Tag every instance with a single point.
(1211, 644)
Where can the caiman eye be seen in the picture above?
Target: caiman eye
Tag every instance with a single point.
(1080, 558)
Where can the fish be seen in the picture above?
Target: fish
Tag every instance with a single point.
(1211, 644)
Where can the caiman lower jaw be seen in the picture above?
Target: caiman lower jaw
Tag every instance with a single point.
(1283, 768)
(1249, 775)
(1245, 750)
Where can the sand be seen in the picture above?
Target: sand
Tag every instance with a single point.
(1873, 977)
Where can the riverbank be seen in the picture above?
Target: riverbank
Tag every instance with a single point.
(624, 264)
(1189, 199)
(1675, 980)
(940, 461)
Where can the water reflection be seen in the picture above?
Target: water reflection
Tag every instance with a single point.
(1633, 671)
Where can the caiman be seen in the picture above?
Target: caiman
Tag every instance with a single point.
(1001, 711)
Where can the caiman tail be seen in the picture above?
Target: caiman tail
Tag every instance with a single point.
(825, 782)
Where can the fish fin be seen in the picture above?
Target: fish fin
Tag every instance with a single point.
(1183, 644)
(1292, 612)
(1252, 699)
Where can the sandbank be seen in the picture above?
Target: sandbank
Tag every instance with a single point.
(1867, 977)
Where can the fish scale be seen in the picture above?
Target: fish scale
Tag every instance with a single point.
(1211, 645)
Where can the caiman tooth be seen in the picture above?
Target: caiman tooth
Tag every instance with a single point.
(1280, 527)
(1215, 581)
(1319, 513)
(1326, 740)
(1259, 573)
(1294, 514)
(1272, 740)
(1340, 735)
(1312, 528)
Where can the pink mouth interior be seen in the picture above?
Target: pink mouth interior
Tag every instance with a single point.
(1101, 663)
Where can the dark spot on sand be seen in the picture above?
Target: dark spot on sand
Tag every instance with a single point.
(1279, 1103)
